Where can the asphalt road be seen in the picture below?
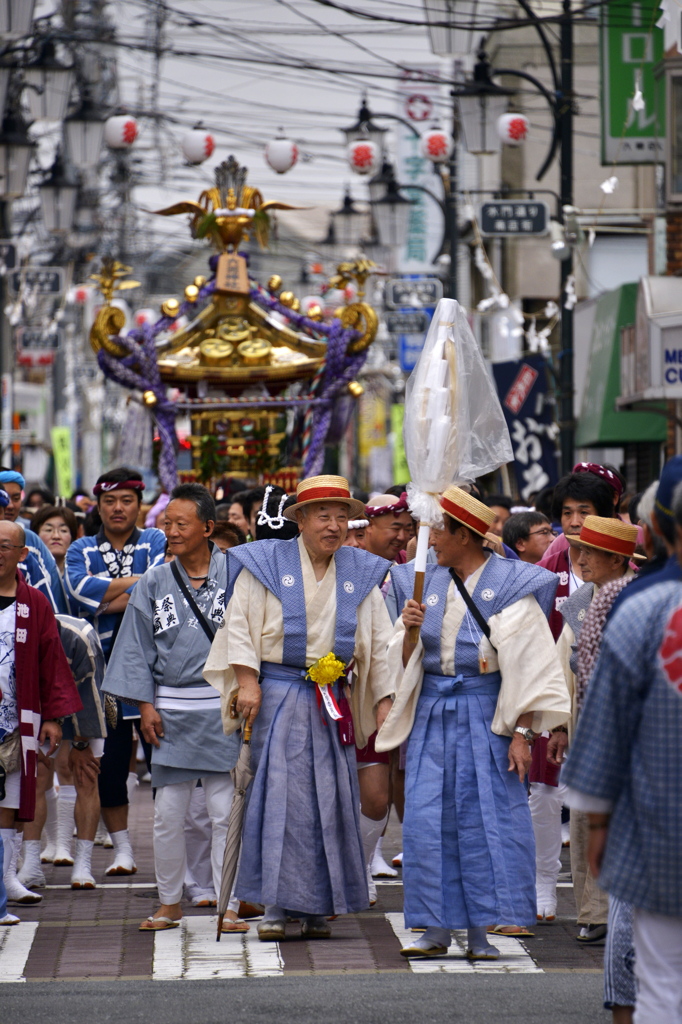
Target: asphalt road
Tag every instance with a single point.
(344, 999)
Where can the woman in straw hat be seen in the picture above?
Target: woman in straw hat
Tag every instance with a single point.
(483, 676)
(603, 551)
(300, 612)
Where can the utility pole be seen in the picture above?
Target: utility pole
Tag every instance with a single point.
(566, 418)
(451, 226)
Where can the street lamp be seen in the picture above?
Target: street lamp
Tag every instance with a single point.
(58, 198)
(84, 132)
(365, 128)
(15, 18)
(456, 26)
(348, 222)
(481, 103)
(391, 214)
(16, 149)
(48, 84)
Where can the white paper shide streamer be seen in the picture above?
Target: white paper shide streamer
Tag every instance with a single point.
(454, 428)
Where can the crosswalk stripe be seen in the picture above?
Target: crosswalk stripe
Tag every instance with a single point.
(514, 958)
(191, 952)
(15, 946)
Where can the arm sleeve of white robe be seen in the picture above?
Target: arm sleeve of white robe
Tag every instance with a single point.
(564, 648)
(238, 642)
(532, 677)
(408, 684)
(373, 680)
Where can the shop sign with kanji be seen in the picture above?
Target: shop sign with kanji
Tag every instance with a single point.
(519, 218)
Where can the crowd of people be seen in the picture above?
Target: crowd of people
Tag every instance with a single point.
(529, 699)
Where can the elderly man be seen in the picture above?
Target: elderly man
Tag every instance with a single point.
(160, 652)
(301, 611)
(483, 677)
(100, 575)
(36, 689)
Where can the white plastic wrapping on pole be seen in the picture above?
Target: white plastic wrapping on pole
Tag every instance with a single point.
(453, 428)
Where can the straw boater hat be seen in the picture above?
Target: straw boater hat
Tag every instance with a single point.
(317, 489)
(609, 535)
(467, 510)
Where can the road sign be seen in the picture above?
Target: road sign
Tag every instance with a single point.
(8, 253)
(412, 321)
(400, 292)
(513, 218)
(46, 280)
(631, 47)
(409, 350)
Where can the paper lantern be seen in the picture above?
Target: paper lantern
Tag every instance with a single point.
(120, 131)
(281, 154)
(197, 145)
(364, 156)
(437, 145)
(513, 128)
(145, 316)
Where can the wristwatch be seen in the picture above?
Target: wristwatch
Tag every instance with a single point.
(527, 734)
(80, 744)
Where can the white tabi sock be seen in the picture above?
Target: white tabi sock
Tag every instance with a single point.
(65, 822)
(274, 914)
(16, 892)
(477, 941)
(131, 785)
(371, 833)
(31, 868)
(433, 938)
(50, 830)
(82, 870)
(8, 835)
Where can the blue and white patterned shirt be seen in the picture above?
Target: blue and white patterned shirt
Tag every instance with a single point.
(628, 749)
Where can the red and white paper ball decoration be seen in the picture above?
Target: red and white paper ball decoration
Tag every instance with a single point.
(120, 131)
(364, 156)
(197, 145)
(437, 145)
(281, 154)
(513, 128)
(145, 316)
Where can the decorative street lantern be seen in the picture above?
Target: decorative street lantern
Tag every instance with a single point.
(348, 222)
(390, 216)
(120, 131)
(197, 145)
(281, 153)
(437, 145)
(16, 149)
(58, 198)
(365, 128)
(15, 18)
(379, 183)
(513, 129)
(364, 156)
(481, 104)
(84, 131)
(48, 84)
(456, 26)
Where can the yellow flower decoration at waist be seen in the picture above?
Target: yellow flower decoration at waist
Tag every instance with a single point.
(326, 670)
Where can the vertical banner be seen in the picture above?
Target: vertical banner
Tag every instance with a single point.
(529, 412)
(418, 104)
(401, 472)
(633, 101)
(63, 469)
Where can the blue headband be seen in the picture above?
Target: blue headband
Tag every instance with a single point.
(8, 476)
(4, 499)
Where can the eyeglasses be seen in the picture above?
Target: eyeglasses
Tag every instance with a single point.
(6, 548)
(47, 529)
(546, 531)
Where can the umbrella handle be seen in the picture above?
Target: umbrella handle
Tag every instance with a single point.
(235, 714)
(247, 731)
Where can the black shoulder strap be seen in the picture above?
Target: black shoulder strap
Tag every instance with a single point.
(472, 606)
(201, 619)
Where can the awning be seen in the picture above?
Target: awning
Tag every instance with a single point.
(600, 423)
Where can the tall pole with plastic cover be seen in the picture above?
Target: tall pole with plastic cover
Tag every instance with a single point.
(454, 429)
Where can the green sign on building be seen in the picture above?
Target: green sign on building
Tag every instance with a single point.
(631, 46)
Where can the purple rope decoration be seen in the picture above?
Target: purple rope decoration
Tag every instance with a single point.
(140, 370)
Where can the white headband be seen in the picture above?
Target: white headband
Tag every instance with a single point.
(358, 524)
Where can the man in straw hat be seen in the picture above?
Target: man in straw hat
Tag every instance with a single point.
(300, 612)
(482, 679)
(602, 550)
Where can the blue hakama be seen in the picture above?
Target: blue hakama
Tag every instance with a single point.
(469, 852)
(301, 844)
